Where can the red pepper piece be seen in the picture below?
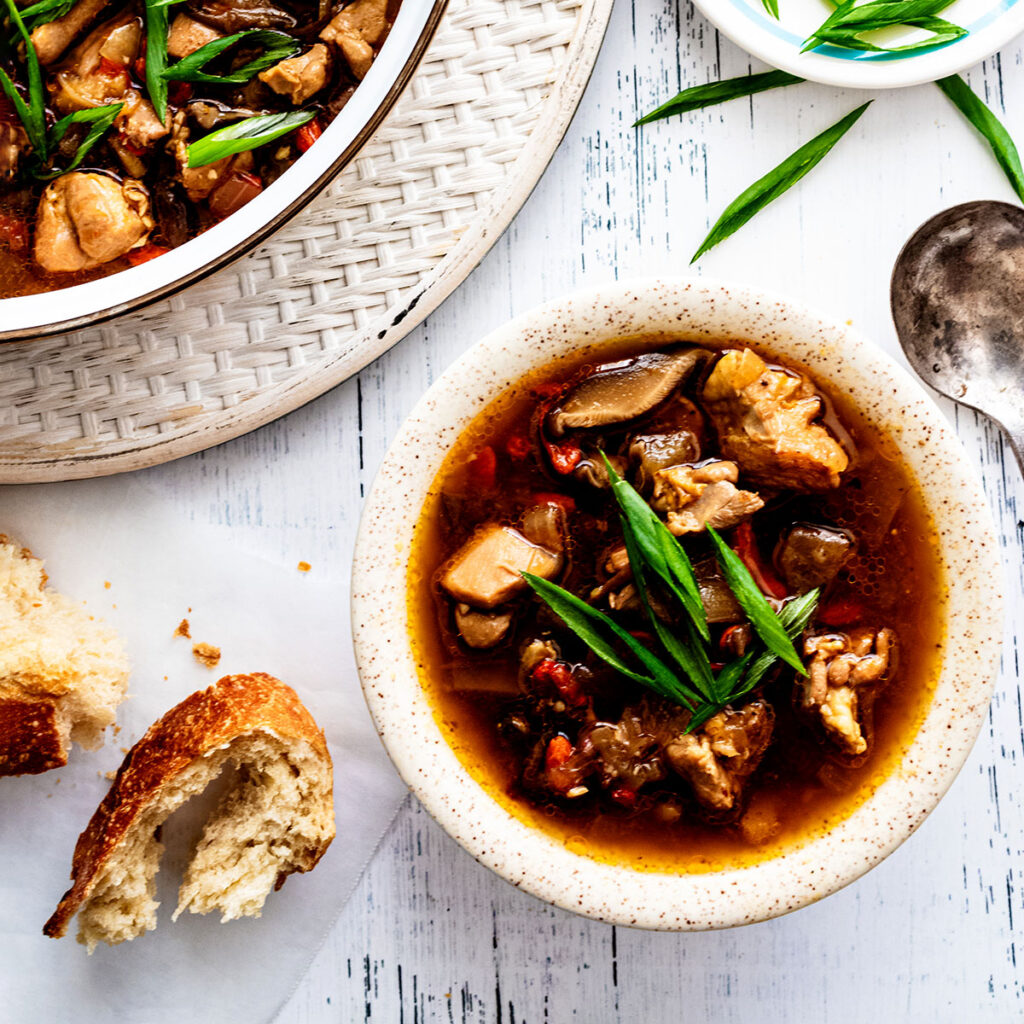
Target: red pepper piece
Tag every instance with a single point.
(550, 498)
(14, 231)
(148, 252)
(745, 545)
(483, 468)
(564, 455)
(842, 612)
(624, 796)
(112, 69)
(179, 93)
(517, 446)
(308, 134)
(559, 751)
(560, 676)
(726, 633)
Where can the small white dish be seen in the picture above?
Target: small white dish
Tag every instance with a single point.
(692, 309)
(990, 24)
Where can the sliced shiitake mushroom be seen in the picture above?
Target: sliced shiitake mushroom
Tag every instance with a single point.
(622, 391)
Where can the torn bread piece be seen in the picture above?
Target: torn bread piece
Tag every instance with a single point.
(62, 673)
(275, 819)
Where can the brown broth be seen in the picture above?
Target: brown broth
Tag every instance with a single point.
(914, 603)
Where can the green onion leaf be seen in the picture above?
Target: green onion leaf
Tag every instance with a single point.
(245, 135)
(99, 120)
(990, 127)
(700, 96)
(691, 659)
(777, 181)
(659, 549)
(753, 602)
(794, 616)
(942, 32)
(772, 7)
(33, 113)
(845, 25)
(276, 47)
(588, 624)
(45, 11)
(157, 18)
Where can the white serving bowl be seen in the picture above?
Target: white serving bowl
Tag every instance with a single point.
(691, 309)
(70, 308)
(990, 24)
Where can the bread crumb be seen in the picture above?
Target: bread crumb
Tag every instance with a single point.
(304, 567)
(206, 654)
(124, 750)
(183, 629)
(111, 775)
(117, 730)
(106, 584)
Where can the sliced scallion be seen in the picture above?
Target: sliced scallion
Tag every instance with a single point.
(245, 135)
(276, 46)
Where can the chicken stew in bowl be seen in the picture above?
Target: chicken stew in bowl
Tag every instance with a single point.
(676, 605)
(128, 128)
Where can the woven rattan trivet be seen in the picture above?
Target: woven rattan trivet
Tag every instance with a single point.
(386, 243)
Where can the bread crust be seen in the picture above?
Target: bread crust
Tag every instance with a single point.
(30, 739)
(39, 706)
(235, 706)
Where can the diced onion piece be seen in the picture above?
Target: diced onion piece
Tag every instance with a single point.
(237, 190)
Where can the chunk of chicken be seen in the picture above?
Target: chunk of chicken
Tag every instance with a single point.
(718, 758)
(486, 570)
(53, 38)
(301, 76)
(138, 122)
(696, 497)
(356, 30)
(87, 219)
(843, 668)
(187, 35)
(764, 419)
(13, 143)
(199, 182)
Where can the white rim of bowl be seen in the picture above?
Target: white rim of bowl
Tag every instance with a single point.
(897, 73)
(536, 861)
(66, 309)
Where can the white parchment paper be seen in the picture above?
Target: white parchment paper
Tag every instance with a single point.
(264, 617)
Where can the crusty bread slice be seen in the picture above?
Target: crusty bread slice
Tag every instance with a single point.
(276, 818)
(62, 674)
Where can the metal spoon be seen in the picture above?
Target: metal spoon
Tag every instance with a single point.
(957, 295)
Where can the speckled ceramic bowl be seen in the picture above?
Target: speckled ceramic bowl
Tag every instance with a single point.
(542, 864)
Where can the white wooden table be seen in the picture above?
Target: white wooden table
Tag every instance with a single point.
(935, 932)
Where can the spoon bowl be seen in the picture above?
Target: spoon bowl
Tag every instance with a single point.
(957, 295)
